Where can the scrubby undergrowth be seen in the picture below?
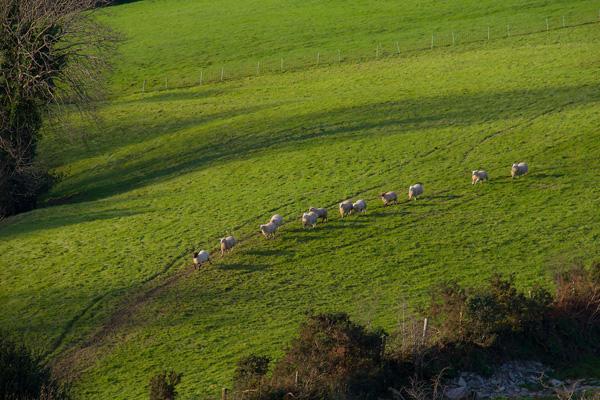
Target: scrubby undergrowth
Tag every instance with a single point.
(471, 329)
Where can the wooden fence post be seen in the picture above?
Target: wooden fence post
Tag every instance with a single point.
(144, 86)
(224, 392)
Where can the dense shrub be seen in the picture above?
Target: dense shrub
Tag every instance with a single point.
(250, 373)
(572, 324)
(332, 358)
(163, 385)
(497, 321)
(24, 377)
(501, 310)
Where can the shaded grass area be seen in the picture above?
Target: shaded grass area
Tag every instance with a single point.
(177, 170)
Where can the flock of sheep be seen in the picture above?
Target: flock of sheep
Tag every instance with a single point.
(347, 207)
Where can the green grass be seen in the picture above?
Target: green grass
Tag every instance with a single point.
(203, 37)
(171, 171)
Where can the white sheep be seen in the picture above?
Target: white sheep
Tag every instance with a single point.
(277, 219)
(201, 257)
(227, 243)
(478, 176)
(345, 208)
(389, 198)
(269, 229)
(309, 219)
(321, 213)
(360, 206)
(415, 191)
(519, 169)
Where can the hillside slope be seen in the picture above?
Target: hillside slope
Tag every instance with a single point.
(103, 283)
(178, 42)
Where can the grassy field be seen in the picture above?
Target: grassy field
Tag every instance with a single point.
(204, 37)
(103, 284)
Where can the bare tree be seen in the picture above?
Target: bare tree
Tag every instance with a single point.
(52, 53)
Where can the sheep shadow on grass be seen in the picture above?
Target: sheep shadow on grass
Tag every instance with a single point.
(387, 212)
(443, 197)
(270, 252)
(545, 176)
(242, 267)
(422, 203)
(507, 180)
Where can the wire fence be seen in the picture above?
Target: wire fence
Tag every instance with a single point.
(407, 46)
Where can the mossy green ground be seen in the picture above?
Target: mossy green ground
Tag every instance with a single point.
(171, 171)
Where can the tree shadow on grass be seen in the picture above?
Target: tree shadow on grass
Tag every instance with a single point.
(128, 173)
(60, 218)
(352, 122)
(110, 137)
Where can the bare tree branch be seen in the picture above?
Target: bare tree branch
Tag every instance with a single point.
(52, 54)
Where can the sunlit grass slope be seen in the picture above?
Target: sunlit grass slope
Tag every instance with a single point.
(176, 170)
(174, 42)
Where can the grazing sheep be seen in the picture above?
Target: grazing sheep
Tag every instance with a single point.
(360, 206)
(277, 219)
(269, 229)
(227, 243)
(309, 219)
(201, 257)
(479, 176)
(389, 198)
(321, 213)
(415, 191)
(345, 208)
(519, 169)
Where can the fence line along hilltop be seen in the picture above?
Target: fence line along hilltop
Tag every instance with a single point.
(426, 41)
